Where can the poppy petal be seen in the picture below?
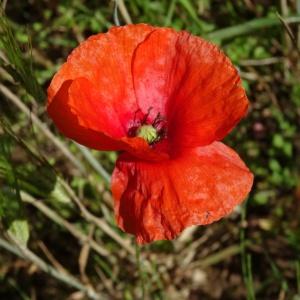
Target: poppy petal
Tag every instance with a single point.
(67, 122)
(193, 82)
(92, 110)
(156, 201)
(153, 63)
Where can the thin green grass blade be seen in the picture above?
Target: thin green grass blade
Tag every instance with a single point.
(250, 286)
(170, 13)
(278, 275)
(298, 276)
(190, 9)
(36, 176)
(20, 68)
(248, 27)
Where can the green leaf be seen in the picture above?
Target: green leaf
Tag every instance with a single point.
(263, 197)
(274, 165)
(278, 141)
(58, 194)
(19, 230)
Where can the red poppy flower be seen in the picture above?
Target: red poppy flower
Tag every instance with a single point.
(165, 99)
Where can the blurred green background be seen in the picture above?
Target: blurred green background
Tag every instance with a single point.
(55, 203)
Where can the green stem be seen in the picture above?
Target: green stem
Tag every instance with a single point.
(140, 270)
(246, 260)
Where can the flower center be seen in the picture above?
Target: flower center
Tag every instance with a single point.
(148, 133)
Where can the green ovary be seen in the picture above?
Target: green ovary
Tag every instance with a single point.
(148, 133)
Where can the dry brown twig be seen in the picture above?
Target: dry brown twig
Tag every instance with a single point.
(261, 62)
(290, 35)
(84, 254)
(123, 10)
(51, 258)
